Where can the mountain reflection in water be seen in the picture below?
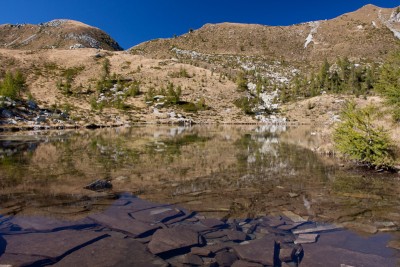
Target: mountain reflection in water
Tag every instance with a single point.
(221, 171)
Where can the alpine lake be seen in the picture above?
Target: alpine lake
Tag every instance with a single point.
(266, 182)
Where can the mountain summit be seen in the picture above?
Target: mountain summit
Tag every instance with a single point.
(369, 32)
(59, 33)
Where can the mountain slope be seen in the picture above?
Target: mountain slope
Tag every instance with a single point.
(369, 32)
(62, 34)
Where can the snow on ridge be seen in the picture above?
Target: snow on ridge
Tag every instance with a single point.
(54, 23)
(310, 37)
(394, 18)
(29, 39)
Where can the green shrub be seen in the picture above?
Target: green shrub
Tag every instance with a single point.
(133, 89)
(12, 85)
(241, 82)
(358, 138)
(182, 73)
(190, 107)
(246, 104)
(388, 84)
(172, 94)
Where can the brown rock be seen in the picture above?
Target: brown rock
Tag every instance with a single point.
(287, 254)
(332, 256)
(394, 244)
(159, 214)
(223, 246)
(272, 221)
(242, 263)
(112, 251)
(193, 260)
(317, 229)
(294, 217)
(366, 228)
(225, 258)
(288, 227)
(124, 223)
(306, 238)
(9, 260)
(201, 251)
(236, 235)
(48, 224)
(170, 239)
(48, 245)
(262, 251)
(215, 234)
(212, 223)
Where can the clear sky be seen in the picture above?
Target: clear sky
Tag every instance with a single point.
(132, 21)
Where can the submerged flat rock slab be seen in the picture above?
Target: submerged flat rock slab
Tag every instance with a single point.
(170, 239)
(259, 251)
(212, 223)
(242, 263)
(123, 222)
(326, 256)
(48, 224)
(317, 229)
(306, 238)
(225, 258)
(294, 217)
(235, 235)
(160, 214)
(112, 251)
(9, 260)
(48, 245)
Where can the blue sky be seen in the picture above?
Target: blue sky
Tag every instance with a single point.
(133, 22)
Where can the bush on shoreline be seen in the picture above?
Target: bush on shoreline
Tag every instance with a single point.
(359, 139)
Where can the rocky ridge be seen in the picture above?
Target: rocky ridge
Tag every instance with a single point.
(59, 34)
(369, 33)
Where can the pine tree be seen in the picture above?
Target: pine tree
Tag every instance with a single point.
(12, 85)
(388, 83)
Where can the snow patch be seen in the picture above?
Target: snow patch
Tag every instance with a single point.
(54, 23)
(13, 42)
(360, 27)
(394, 18)
(29, 39)
(76, 46)
(374, 24)
(310, 37)
(85, 38)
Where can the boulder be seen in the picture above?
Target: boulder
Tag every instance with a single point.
(125, 252)
(237, 236)
(171, 240)
(99, 185)
(306, 238)
(264, 251)
(42, 224)
(193, 260)
(5, 113)
(201, 251)
(29, 249)
(225, 258)
(213, 223)
(122, 222)
(242, 263)
(32, 105)
(159, 214)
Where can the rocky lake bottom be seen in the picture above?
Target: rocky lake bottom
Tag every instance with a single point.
(198, 196)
